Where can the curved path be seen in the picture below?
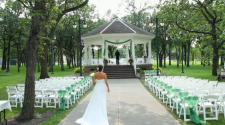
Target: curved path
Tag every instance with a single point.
(128, 103)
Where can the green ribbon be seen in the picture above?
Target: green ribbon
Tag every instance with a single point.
(192, 101)
(119, 43)
(62, 94)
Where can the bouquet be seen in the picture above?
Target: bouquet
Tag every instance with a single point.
(130, 60)
(105, 61)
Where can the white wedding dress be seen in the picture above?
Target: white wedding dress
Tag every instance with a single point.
(96, 112)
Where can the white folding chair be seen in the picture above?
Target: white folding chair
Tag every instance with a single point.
(205, 103)
(51, 98)
(221, 105)
(187, 103)
(39, 98)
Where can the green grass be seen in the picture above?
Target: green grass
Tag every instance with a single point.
(16, 78)
(197, 71)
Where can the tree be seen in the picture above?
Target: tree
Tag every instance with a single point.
(201, 17)
(40, 12)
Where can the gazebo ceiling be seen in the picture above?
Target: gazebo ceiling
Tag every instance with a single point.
(117, 26)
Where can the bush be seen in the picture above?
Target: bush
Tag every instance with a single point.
(154, 68)
(77, 70)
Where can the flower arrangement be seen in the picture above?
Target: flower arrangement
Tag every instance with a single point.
(105, 61)
(130, 60)
(92, 74)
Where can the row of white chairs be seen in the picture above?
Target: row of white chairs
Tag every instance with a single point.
(48, 93)
(208, 94)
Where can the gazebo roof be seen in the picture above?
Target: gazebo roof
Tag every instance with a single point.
(117, 26)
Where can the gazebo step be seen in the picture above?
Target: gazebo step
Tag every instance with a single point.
(119, 72)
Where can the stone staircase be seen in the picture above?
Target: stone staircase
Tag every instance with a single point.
(119, 72)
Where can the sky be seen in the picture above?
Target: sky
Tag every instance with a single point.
(113, 5)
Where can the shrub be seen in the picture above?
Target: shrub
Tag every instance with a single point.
(154, 68)
(77, 70)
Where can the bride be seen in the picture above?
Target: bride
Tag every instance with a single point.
(96, 112)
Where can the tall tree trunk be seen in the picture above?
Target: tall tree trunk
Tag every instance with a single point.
(78, 55)
(164, 55)
(44, 72)
(27, 112)
(169, 55)
(215, 60)
(160, 59)
(185, 53)
(202, 60)
(61, 58)
(8, 58)
(18, 57)
(188, 54)
(3, 56)
(193, 59)
(38, 62)
(178, 57)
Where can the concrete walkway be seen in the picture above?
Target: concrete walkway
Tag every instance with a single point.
(128, 103)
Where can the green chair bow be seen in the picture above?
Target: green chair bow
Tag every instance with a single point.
(191, 101)
(62, 94)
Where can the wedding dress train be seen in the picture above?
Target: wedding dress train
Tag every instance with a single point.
(96, 112)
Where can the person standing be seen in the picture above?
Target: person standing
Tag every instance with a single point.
(96, 112)
(145, 56)
(117, 57)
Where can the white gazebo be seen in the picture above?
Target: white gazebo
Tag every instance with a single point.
(117, 32)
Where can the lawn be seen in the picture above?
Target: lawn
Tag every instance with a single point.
(197, 71)
(18, 78)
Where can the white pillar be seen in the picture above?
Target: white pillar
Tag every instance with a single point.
(85, 55)
(144, 47)
(89, 55)
(133, 51)
(133, 55)
(106, 51)
(127, 53)
(149, 53)
(103, 47)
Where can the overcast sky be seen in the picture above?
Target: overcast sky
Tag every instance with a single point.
(113, 5)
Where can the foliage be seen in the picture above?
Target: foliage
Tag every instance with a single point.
(130, 60)
(77, 70)
(155, 68)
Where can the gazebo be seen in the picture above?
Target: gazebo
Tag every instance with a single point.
(117, 32)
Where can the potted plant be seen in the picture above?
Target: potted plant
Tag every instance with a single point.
(105, 62)
(130, 61)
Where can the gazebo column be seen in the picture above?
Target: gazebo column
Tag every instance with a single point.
(127, 53)
(133, 54)
(103, 56)
(89, 55)
(106, 52)
(144, 47)
(149, 53)
(85, 55)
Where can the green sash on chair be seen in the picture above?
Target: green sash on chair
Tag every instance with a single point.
(192, 101)
(62, 94)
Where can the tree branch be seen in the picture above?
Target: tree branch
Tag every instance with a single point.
(206, 10)
(206, 17)
(221, 43)
(76, 7)
(192, 31)
(23, 3)
(64, 12)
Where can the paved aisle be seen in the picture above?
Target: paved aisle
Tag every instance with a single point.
(128, 103)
